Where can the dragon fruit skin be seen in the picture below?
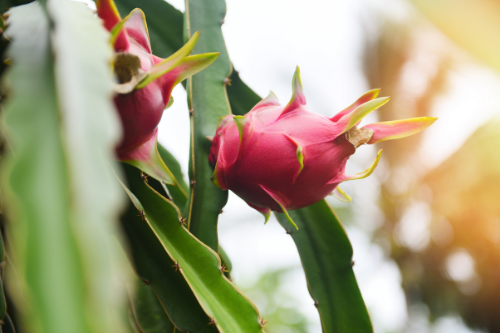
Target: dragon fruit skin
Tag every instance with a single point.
(285, 157)
(145, 85)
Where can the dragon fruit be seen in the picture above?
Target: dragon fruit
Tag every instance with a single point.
(282, 158)
(145, 83)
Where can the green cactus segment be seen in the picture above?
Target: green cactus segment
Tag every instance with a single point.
(169, 63)
(352, 118)
(240, 96)
(148, 311)
(58, 182)
(157, 270)
(197, 263)
(326, 255)
(180, 190)
(8, 325)
(207, 99)
(3, 302)
(147, 158)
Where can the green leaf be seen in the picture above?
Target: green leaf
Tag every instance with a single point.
(326, 255)
(3, 303)
(156, 269)
(39, 196)
(148, 311)
(208, 102)
(59, 188)
(241, 97)
(180, 191)
(197, 263)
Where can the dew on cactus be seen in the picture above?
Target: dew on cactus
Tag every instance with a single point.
(144, 85)
(283, 158)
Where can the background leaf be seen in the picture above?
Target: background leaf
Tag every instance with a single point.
(148, 311)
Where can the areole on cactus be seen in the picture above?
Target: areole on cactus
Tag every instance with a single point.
(145, 83)
(282, 158)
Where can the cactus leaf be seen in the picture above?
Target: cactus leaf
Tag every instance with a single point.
(179, 190)
(398, 129)
(147, 310)
(58, 181)
(298, 98)
(208, 98)
(155, 267)
(240, 96)
(340, 195)
(366, 97)
(198, 264)
(351, 119)
(331, 280)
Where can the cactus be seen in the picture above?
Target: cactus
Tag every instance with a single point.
(66, 122)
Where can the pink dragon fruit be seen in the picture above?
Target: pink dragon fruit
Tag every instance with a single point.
(284, 158)
(145, 84)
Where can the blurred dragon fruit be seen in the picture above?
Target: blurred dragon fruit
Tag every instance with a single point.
(284, 158)
(145, 83)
